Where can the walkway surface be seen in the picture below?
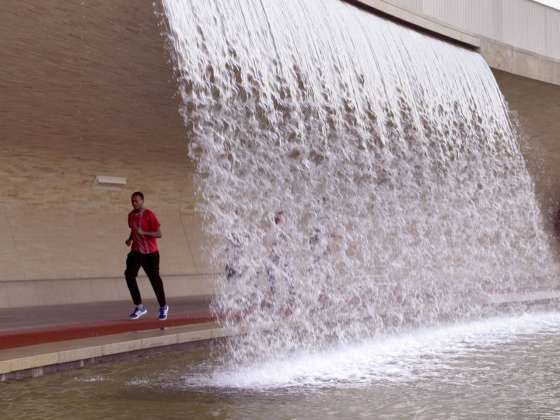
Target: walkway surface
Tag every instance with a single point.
(46, 324)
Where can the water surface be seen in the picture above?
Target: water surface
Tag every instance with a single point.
(504, 367)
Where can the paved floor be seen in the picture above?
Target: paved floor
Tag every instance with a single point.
(21, 327)
(21, 319)
(36, 359)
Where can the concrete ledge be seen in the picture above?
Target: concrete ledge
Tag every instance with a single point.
(421, 21)
(521, 62)
(498, 55)
(528, 297)
(37, 359)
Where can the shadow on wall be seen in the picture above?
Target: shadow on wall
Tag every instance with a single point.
(537, 107)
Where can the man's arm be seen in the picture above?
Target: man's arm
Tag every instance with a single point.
(155, 234)
(128, 242)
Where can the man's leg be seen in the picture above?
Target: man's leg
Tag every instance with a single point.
(132, 267)
(150, 264)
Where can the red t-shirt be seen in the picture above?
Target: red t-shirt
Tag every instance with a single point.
(148, 221)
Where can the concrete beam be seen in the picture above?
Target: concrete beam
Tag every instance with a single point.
(499, 55)
(419, 21)
(521, 62)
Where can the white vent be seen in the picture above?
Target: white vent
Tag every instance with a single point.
(115, 181)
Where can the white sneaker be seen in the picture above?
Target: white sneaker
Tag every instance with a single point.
(138, 312)
(163, 312)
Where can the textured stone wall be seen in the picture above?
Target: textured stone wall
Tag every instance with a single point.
(86, 89)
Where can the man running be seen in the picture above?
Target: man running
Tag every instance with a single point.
(144, 231)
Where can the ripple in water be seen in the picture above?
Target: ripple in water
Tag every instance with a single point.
(387, 157)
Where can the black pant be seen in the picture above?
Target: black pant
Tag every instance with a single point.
(150, 264)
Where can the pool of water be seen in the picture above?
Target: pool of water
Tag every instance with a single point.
(503, 367)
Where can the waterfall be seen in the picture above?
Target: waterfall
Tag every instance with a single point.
(356, 176)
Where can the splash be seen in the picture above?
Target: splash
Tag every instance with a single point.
(409, 356)
(357, 176)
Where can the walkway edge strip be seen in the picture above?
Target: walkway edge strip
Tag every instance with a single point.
(28, 337)
(74, 354)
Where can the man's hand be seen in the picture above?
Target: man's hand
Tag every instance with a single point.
(139, 231)
(128, 242)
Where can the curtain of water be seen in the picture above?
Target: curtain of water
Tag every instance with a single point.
(405, 198)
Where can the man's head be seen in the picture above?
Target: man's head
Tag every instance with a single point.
(279, 217)
(137, 200)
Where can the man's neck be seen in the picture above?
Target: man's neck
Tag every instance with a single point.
(140, 210)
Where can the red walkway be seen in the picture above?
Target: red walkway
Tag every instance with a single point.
(37, 325)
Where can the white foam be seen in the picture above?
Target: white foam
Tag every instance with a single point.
(97, 378)
(391, 154)
(402, 357)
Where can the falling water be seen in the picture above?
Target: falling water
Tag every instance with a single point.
(405, 198)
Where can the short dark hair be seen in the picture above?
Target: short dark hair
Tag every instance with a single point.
(139, 194)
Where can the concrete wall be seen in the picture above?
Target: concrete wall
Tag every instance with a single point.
(86, 90)
(518, 36)
(537, 107)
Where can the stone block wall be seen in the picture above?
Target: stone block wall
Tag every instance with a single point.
(86, 89)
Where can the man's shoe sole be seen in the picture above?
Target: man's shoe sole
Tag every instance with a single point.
(138, 317)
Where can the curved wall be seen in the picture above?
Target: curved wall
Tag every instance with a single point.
(518, 36)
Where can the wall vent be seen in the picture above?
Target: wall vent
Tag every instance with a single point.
(110, 181)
